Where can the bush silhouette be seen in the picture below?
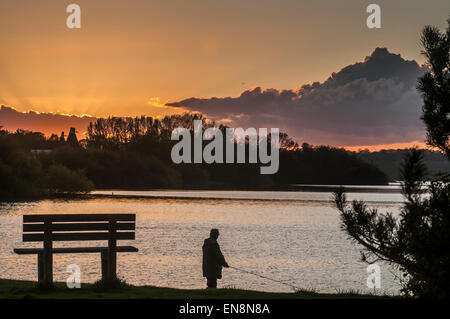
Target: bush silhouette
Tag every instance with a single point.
(60, 179)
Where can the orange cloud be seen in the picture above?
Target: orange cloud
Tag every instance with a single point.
(47, 123)
(392, 146)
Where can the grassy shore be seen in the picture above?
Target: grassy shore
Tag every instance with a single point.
(28, 289)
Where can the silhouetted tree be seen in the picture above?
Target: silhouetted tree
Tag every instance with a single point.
(25, 174)
(418, 240)
(435, 87)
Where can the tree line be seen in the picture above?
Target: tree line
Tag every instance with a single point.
(134, 153)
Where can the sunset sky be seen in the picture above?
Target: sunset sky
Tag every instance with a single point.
(134, 57)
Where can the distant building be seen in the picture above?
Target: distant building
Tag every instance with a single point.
(72, 138)
(41, 151)
(62, 138)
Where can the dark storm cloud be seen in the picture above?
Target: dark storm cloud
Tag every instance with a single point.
(370, 102)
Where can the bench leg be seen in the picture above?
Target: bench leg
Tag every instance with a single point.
(112, 251)
(48, 266)
(41, 268)
(104, 256)
(112, 265)
(48, 254)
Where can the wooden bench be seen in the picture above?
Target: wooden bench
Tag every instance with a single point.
(77, 227)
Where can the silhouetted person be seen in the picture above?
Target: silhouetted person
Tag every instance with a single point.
(213, 260)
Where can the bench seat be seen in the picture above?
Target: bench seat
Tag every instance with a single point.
(74, 250)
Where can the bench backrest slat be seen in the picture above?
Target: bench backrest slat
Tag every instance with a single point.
(80, 236)
(33, 228)
(73, 227)
(78, 218)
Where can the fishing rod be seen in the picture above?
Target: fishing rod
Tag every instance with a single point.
(258, 275)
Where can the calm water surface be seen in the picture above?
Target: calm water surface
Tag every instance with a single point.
(289, 236)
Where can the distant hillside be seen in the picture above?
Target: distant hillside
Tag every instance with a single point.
(389, 161)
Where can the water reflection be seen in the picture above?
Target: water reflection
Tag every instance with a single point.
(293, 237)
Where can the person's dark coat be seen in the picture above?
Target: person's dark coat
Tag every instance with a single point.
(213, 260)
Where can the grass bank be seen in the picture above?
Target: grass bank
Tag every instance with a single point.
(18, 289)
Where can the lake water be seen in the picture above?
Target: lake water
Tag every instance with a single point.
(289, 236)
